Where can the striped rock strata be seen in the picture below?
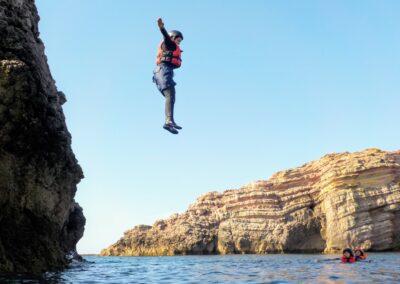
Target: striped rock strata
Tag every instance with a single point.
(341, 200)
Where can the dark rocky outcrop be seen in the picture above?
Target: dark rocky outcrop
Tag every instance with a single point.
(40, 223)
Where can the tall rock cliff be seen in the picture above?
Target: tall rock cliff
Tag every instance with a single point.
(40, 223)
(341, 200)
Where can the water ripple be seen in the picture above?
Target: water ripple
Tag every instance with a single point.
(293, 268)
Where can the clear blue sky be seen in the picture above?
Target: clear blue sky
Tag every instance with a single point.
(264, 86)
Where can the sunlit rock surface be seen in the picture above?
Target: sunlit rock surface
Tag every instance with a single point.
(341, 200)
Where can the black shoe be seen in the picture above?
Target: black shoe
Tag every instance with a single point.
(169, 127)
(176, 126)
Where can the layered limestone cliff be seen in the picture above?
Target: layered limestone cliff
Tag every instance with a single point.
(341, 200)
(40, 223)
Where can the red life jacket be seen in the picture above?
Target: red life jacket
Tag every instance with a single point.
(168, 56)
(349, 259)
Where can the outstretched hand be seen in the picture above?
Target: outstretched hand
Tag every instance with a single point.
(160, 23)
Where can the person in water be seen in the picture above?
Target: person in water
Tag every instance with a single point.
(348, 255)
(168, 59)
(359, 254)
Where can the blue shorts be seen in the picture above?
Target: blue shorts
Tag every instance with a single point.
(163, 77)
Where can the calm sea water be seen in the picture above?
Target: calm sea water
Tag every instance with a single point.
(289, 268)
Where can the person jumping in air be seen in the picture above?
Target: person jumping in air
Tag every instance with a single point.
(168, 59)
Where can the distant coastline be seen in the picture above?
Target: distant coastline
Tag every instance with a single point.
(341, 200)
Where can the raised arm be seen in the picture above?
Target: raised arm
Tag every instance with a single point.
(168, 41)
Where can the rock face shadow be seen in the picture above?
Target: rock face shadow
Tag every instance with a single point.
(40, 222)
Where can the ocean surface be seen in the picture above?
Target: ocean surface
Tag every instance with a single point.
(284, 268)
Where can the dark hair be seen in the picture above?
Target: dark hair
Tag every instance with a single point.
(360, 250)
(349, 251)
